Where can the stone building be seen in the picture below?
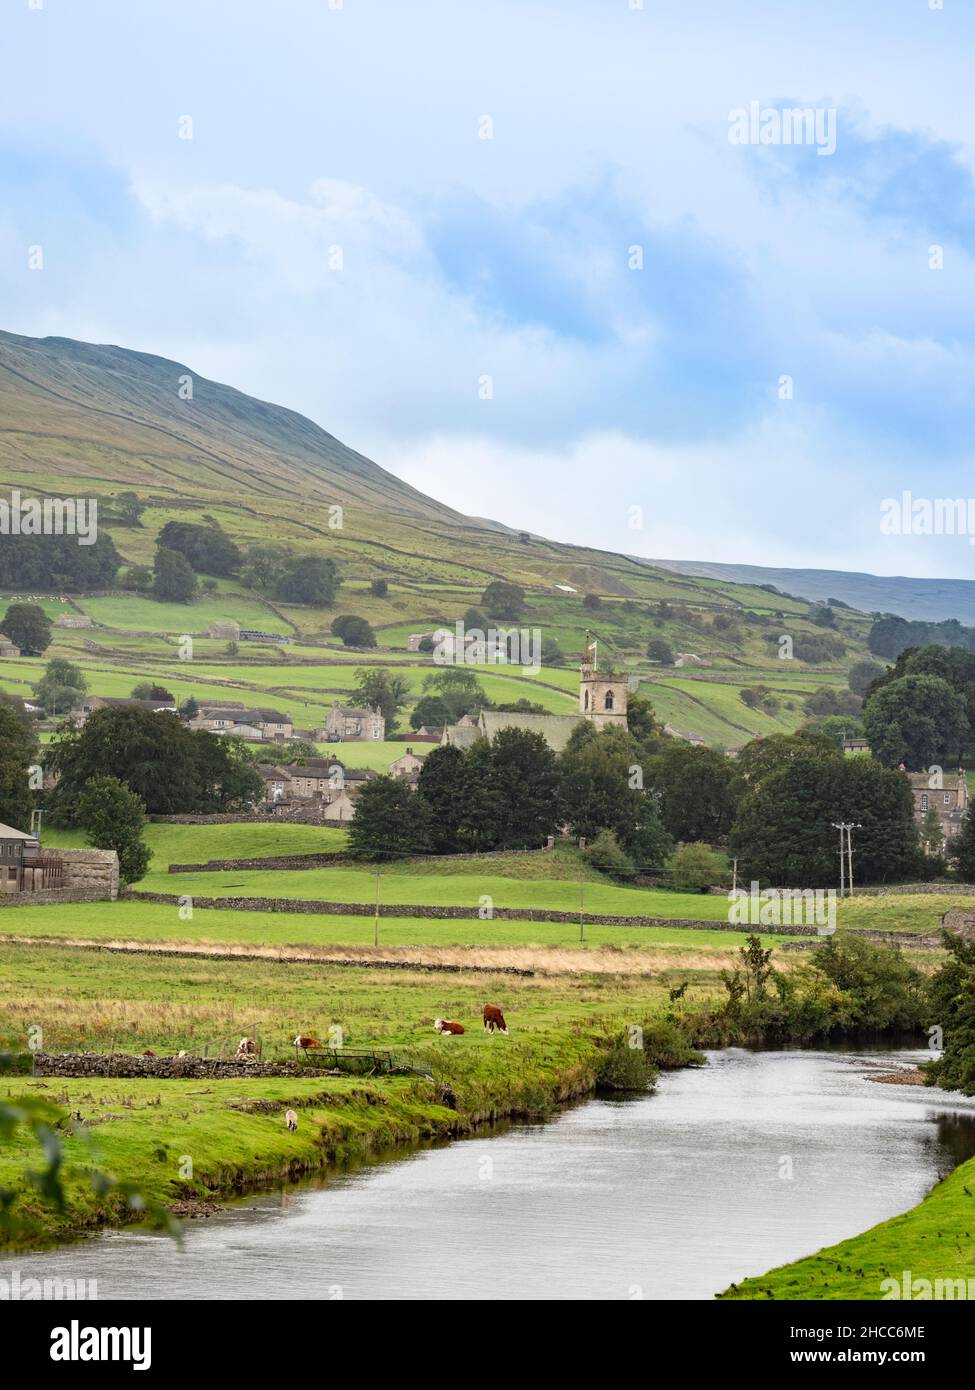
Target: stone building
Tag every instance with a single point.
(352, 724)
(948, 797)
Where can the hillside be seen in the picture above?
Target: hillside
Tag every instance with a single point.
(79, 419)
(932, 600)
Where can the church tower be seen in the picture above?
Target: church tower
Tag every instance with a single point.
(602, 694)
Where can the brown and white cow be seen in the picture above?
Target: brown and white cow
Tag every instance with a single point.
(246, 1047)
(494, 1018)
(303, 1042)
(443, 1025)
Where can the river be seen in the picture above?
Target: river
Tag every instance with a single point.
(726, 1171)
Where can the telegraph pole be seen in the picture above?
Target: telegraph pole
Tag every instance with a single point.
(582, 923)
(375, 934)
(846, 854)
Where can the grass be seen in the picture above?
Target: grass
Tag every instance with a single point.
(934, 1240)
(194, 844)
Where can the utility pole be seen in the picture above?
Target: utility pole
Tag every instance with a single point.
(582, 923)
(734, 874)
(375, 934)
(846, 854)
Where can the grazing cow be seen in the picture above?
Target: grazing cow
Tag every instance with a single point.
(304, 1043)
(149, 1053)
(442, 1025)
(291, 1119)
(246, 1047)
(494, 1018)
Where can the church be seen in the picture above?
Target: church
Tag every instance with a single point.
(602, 701)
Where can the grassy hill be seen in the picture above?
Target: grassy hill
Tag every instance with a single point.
(85, 420)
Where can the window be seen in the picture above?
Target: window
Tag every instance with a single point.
(924, 802)
(587, 699)
(609, 700)
(947, 798)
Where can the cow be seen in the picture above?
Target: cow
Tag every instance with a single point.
(246, 1047)
(494, 1018)
(442, 1025)
(304, 1042)
(291, 1119)
(149, 1053)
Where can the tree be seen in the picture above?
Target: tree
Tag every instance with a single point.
(919, 721)
(694, 868)
(189, 709)
(601, 790)
(311, 579)
(608, 856)
(31, 564)
(444, 786)
(696, 787)
(379, 588)
(173, 577)
(18, 748)
(822, 616)
(61, 686)
(660, 651)
(262, 566)
(150, 690)
(784, 834)
(551, 653)
(113, 817)
(862, 674)
(172, 768)
(951, 1003)
(128, 509)
(885, 988)
(477, 619)
(354, 632)
(390, 821)
(207, 549)
(137, 578)
(459, 688)
(430, 711)
(526, 784)
(382, 689)
(27, 626)
(592, 602)
(503, 600)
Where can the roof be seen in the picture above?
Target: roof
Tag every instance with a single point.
(7, 832)
(556, 729)
(949, 781)
(358, 711)
(459, 737)
(129, 701)
(269, 770)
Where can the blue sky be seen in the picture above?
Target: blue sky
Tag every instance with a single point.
(356, 125)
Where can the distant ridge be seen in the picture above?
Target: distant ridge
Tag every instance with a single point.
(932, 600)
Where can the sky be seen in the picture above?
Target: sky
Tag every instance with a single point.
(517, 252)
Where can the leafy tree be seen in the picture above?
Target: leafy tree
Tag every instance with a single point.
(835, 727)
(551, 653)
(477, 619)
(961, 848)
(459, 688)
(172, 768)
(262, 566)
(430, 710)
(128, 509)
(608, 855)
(916, 720)
(602, 790)
(694, 868)
(822, 616)
(384, 690)
(503, 600)
(150, 690)
(207, 549)
(379, 588)
(173, 577)
(445, 789)
(862, 674)
(592, 602)
(950, 1005)
(885, 988)
(660, 651)
(765, 755)
(311, 579)
(526, 783)
(390, 821)
(827, 700)
(189, 709)
(784, 833)
(27, 625)
(137, 578)
(57, 564)
(18, 748)
(59, 678)
(113, 817)
(696, 787)
(354, 632)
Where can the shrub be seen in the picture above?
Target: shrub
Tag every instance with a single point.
(694, 868)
